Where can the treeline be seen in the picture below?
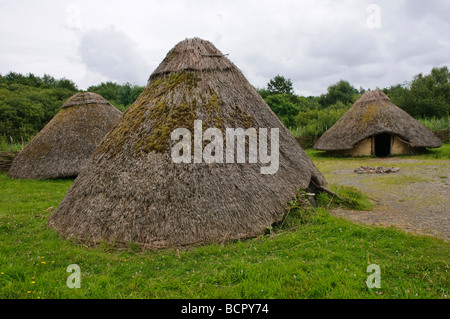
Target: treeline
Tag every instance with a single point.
(119, 95)
(29, 102)
(426, 96)
(311, 115)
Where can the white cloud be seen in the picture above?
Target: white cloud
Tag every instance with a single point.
(314, 43)
(114, 55)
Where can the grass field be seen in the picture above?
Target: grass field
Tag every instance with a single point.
(311, 255)
(442, 152)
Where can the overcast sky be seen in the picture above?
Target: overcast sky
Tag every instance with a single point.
(314, 43)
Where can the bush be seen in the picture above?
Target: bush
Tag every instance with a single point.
(314, 122)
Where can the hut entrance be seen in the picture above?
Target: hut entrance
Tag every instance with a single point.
(382, 144)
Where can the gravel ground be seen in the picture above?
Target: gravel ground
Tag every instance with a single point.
(415, 199)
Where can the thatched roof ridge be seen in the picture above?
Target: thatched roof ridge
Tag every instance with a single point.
(132, 191)
(374, 113)
(84, 98)
(193, 55)
(65, 144)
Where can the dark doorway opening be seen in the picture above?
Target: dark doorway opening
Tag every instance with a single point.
(382, 144)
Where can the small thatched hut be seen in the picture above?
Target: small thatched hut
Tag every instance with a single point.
(133, 191)
(375, 126)
(65, 144)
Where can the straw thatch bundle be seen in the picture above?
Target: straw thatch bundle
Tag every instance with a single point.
(6, 159)
(374, 113)
(65, 144)
(132, 191)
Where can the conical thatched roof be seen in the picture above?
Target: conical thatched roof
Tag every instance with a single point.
(132, 191)
(374, 113)
(65, 144)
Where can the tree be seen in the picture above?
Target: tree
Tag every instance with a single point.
(401, 96)
(263, 92)
(342, 92)
(128, 93)
(282, 106)
(134, 93)
(279, 85)
(28, 102)
(121, 96)
(432, 93)
(108, 90)
(426, 95)
(66, 84)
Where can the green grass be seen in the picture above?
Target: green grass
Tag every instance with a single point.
(435, 124)
(5, 145)
(442, 152)
(346, 196)
(396, 180)
(311, 255)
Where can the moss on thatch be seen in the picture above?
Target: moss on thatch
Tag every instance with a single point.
(65, 144)
(132, 191)
(373, 113)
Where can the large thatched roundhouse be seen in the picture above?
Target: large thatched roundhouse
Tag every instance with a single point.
(133, 191)
(375, 126)
(65, 144)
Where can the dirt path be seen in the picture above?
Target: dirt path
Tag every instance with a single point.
(415, 199)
